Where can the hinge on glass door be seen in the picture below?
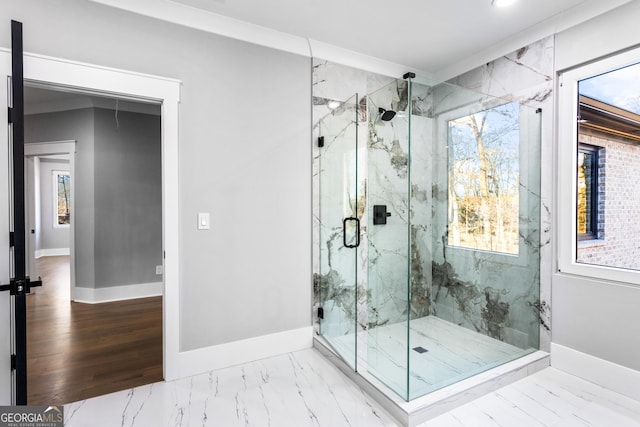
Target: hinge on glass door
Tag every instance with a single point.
(9, 115)
(12, 239)
(13, 362)
(320, 313)
(321, 141)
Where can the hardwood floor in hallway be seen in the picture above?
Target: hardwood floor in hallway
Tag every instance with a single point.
(77, 350)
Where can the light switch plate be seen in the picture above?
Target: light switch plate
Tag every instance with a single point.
(158, 269)
(203, 221)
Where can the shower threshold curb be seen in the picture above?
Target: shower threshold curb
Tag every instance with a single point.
(440, 401)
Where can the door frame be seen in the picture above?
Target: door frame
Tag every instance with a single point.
(49, 148)
(121, 84)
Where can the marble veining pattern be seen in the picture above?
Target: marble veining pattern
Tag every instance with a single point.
(547, 398)
(526, 76)
(296, 389)
(305, 389)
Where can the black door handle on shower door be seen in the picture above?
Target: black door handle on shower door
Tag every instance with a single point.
(344, 232)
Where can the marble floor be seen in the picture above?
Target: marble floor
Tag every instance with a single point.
(305, 389)
(448, 353)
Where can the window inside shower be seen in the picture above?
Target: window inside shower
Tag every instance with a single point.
(483, 185)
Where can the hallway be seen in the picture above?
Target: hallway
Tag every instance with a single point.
(77, 351)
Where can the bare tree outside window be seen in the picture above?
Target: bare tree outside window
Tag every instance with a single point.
(63, 198)
(483, 190)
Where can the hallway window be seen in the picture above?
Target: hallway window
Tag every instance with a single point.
(62, 198)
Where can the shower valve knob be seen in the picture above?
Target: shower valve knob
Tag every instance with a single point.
(380, 214)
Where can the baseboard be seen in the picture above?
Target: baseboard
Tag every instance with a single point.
(117, 293)
(612, 376)
(207, 359)
(52, 252)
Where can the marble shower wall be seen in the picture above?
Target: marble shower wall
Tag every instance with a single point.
(334, 266)
(498, 294)
(399, 157)
(386, 252)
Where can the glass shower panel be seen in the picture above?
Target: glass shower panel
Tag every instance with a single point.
(388, 235)
(341, 209)
(485, 295)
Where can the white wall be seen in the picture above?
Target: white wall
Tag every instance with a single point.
(244, 156)
(597, 317)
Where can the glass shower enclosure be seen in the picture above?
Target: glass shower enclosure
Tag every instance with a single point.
(429, 229)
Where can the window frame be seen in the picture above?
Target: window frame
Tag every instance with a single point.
(567, 169)
(517, 180)
(527, 175)
(593, 213)
(55, 175)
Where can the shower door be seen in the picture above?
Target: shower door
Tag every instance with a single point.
(388, 238)
(341, 204)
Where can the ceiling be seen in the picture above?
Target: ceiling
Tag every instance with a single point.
(426, 35)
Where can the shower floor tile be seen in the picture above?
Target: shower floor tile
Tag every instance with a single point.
(452, 353)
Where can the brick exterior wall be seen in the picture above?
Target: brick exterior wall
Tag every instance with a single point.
(618, 243)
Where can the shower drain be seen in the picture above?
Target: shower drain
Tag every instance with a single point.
(420, 350)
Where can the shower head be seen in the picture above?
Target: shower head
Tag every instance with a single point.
(386, 115)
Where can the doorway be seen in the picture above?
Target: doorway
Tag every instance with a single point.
(101, 305)
(90, 78)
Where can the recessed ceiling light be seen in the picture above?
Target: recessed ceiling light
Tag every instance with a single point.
(502, 3)
(333, 105)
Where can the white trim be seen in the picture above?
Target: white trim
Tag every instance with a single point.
(117, 293)
(367, 63)
(210, 22)
(606, 374)
(567, 144)
(52, 252)
(243, 351)
(50, 148)
(88, 78)
(86, 101)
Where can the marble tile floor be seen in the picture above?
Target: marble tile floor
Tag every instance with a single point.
(305, 389)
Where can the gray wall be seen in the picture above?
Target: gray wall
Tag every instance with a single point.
(50, 237)
(73, 125)
(118, 218)
(128, 198)
(593, 316)
(244, 147)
